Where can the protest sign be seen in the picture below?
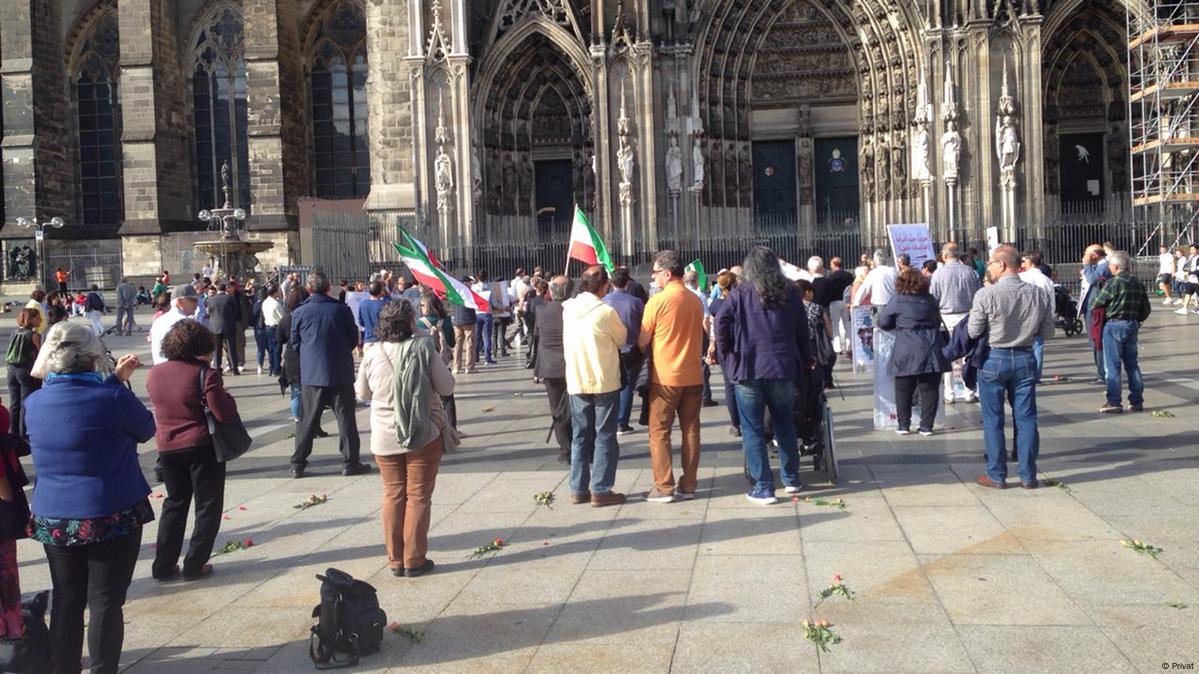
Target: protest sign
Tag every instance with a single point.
(914, 240)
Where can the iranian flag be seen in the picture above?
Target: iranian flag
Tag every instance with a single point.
(429, 272)
(586, 245)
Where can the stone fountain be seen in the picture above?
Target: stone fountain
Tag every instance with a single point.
(230, 256)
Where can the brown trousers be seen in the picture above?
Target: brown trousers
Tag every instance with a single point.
(664, 403)
(465, 356)
(408, 481)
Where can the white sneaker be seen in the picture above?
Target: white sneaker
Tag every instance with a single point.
(950, 401)
(792, 490)
(1182, 312)
(902, 431)
(926, 433)
(259, 369)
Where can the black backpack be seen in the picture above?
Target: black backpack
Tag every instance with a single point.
(30, 655)
(349, 621)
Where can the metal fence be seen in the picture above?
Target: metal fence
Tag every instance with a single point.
(96, 265)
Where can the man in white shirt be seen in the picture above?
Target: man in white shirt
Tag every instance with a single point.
(272, 313)
(879, 285)
(1034, 274)
(184, 301)
(1165, 274)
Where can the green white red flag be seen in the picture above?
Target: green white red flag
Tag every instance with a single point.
(586, 244)
(428, 271)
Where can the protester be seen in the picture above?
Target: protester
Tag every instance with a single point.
(820, 330)
(631, 310)
(879, 284)
(436, 323)
(954, 285)
(485, 320)
(593, 335)
(929, 268)
(672, 332)
(22, 352)
(501, 316)
(839, 281)
(1094, 273)
(404, 379)
(324, 334)
(126, 305)
(224, 313)
(182, 304)
(550, 367)
(534, 299)
(1126, 306)
(289, 378)
(691, 281)
(762, 337)
(903, 262)
(1011, 313)
(368, 313)
(56, 311)
(465, 322)
(916, 360)
(1189, 268)
(1033, 266)
(725, 282)
(245, 310)
(180, 389)
(90, 501)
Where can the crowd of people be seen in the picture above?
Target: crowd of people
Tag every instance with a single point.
(964, 329)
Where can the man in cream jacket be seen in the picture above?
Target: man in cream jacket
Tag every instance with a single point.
(592, 336)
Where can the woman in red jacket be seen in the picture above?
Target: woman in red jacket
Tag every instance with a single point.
(178, 389)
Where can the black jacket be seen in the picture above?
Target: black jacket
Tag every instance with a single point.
(291, 357)
(916, 320)
(224, 312)
(547, 334)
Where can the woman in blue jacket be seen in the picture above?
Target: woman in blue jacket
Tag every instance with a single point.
(916, 359)
(90, 500)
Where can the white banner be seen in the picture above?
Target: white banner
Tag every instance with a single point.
(913, 240)
(353, 299)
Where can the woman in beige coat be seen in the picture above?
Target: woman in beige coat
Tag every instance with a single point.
(404, 379)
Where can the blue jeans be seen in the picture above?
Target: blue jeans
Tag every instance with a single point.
(484, 345)
(1010, 373)
(1038, 354)
(630, 369)
(268, 348)
(593, 430)
(754, 397)
(295, 401)
(1120, 347)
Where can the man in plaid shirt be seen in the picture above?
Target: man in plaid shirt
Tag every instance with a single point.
(1126, 304)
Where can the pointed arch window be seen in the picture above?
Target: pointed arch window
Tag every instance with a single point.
(94, 89)
(219, 108)
(337, 81)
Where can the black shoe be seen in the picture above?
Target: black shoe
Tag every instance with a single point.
(420, 570)
(356, 469)
(398, 572)
(563, 458)
(320, 433)
(711, 403)
(297, 473)
(204, 572)
(735, 431)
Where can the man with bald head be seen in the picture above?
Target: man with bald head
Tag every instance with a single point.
(1095, 273)
(1012, 314)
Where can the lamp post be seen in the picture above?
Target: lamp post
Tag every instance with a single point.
(39, 236)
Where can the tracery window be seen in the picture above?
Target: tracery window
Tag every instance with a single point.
(337, 80)
(219, 104)
(94, 88)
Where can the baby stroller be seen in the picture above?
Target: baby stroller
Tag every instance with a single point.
(813, 426)
(1065, 310)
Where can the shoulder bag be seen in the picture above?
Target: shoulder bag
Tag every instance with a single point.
(229, 440)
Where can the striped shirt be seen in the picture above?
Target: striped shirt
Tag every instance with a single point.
(1011, 313)
(954, 285)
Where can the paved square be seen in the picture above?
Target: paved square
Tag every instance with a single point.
(948, 577)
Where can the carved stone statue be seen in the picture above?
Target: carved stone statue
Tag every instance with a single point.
(625, 163)
(866, 166)
(1007, 145)
(951, 150)
(476, 174)
(921, 161)
(674, 166)
(697, 161)
(443, 180)
(899, 163)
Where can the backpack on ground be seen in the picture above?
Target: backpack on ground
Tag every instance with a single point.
(349, 621)
(31, 654)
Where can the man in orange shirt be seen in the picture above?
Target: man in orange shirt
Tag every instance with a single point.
(672, 331)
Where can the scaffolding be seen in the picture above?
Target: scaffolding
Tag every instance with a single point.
(1163, 66)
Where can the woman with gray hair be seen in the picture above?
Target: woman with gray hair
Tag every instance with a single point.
(90, 501)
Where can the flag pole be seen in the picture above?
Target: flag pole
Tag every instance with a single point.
(566, 269)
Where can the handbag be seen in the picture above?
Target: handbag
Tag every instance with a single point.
(229, 440)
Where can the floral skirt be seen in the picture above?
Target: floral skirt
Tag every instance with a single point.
(12, 625)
